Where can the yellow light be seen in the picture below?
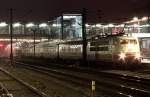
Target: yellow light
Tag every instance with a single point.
(135, 18)
(98, 25)
(122, 55)
(43, 25)
(3, 24)
(122, 25)
(144, 18)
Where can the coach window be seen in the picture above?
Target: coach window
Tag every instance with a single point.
(105, 42)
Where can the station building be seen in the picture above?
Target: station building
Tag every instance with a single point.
(69, 27)
(136, 27)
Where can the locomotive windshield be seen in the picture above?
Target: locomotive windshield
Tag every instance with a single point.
(128, 41)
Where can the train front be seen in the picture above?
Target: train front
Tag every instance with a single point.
(127, 51)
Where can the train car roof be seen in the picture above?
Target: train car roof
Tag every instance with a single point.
(80, 41)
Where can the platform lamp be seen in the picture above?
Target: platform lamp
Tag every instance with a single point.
(31, 26)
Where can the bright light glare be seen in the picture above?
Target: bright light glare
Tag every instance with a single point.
(122, 55)
(29, 25)
(111, 25)
(69, 17)
(54, 25)
(3, 24)
(43, 25)
(144, 18)
(135, 18)
(16, 25)
(87, 25)
(122, 25)
(98, 25)
(137, 55)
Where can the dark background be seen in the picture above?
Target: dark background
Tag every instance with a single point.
(98, 10)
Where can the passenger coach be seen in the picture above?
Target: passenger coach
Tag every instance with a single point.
(118, 49)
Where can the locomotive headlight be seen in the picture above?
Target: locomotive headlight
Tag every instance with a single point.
(122, 56)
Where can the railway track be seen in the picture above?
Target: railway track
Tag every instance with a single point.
(107, 83)
(11, 86)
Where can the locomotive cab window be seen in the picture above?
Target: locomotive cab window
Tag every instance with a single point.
(129, 41)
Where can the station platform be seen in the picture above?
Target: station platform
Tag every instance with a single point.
(147, 61)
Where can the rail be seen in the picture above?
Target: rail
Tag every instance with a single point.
(114, 89)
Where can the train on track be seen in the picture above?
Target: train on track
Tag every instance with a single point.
(117, 49)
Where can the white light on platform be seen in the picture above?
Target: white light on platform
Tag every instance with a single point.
(3, 24)
(122, 25)
(54, 25)
(135, 25)
(87, 25)
(98, 25)
(135, 18)
(16, 25)
(29, 25)
(110, 25)
(69, 17)
(43, 25)
(145, 18)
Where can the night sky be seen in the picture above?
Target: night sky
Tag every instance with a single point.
(109, 10)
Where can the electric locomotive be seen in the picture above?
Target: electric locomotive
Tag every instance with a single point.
(118, 49)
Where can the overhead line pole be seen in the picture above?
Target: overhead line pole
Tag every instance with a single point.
(62, 27)
(84, 13)
(11, 36)
(34, 41)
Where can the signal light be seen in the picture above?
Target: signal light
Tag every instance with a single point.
(1, 45)
(122, 56)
